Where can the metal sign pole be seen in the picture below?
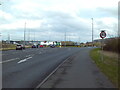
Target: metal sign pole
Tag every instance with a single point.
(102, 35)
(102, 50)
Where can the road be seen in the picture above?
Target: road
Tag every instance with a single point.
(27, 68)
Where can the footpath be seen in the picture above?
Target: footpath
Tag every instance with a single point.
(79, 71)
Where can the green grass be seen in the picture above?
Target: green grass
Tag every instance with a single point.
(109, 66)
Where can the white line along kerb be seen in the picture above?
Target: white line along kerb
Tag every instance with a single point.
(24, 60)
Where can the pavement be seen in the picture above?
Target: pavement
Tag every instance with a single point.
(79, 71)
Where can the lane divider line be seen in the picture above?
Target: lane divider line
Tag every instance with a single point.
(9, 60)
(24, 60)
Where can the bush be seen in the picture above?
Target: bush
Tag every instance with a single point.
(112, 45)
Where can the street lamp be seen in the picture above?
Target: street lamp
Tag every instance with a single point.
(24, 33)
(92, 31)
(65, 39)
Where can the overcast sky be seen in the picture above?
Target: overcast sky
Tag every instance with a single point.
(50, 19)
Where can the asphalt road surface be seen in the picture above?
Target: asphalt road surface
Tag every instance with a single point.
(27, 68)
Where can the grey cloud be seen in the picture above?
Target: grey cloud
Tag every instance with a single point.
(108, 11)
(59, 21)
(98, 12)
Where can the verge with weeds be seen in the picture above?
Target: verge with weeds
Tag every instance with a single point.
(109, 65)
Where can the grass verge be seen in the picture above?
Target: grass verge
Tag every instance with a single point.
(11, 47)
(109, 65)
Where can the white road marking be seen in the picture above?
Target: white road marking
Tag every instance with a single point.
(9, 60)
(24, 60)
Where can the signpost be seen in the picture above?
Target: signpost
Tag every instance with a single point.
(102, 35)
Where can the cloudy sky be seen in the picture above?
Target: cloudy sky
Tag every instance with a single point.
(50, 19)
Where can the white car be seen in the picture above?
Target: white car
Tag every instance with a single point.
(20, 47)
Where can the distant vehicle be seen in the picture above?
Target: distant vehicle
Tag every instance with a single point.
(20, 47)
(34, 46)
(52, 46)
(41, 46)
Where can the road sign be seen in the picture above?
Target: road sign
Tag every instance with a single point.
(102, 34)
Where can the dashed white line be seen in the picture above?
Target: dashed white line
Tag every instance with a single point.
(9, 60)
(24, 60)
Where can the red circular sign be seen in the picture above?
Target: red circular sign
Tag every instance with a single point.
(102, 34)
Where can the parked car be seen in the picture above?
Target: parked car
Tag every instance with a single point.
(34, 46)
(20, 47)
(41, 46)
(52, 46)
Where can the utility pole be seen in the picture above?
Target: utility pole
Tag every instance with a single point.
(34, 36)
(79, 40)
(24, 33)
(28, 35)
(65, 38)
(49, 36)
(8, 38)
(92, 31)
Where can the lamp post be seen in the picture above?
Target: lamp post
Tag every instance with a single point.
(24, 33)
(65, 38)
(92, 31)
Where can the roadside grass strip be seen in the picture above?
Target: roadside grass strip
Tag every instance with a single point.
(109, 64)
